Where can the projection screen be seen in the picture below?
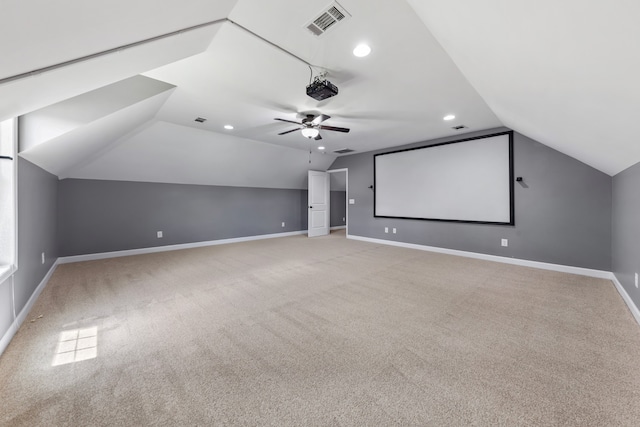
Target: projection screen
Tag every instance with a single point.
(469, 180)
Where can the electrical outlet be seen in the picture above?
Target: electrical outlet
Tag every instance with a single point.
(283, 223)
(352, 201)
(386, 229)
(394, 230)
(505, 242)
(636, 280)
(159, 234)
(636, 273)
(344, 219)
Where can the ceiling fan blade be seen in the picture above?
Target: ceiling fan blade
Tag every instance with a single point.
(317, 138)
(289, 121)
(289, 131)
(321, 118)
(345, 130)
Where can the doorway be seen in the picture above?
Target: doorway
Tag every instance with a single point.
(338, 206)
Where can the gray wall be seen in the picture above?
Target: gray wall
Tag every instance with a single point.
(102, 216)
(338, 208)
(37, 228)
(625, 244)
(37, 210)
(562, 212)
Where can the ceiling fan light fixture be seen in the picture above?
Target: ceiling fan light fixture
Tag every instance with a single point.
(310, 132)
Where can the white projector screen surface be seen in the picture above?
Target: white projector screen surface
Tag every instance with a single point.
(467, 181)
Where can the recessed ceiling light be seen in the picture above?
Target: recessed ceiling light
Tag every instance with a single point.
(321, 148)
(362, 50)
(449, 117)
(228, 127)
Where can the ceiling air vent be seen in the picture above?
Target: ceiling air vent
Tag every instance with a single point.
(459, 127)
(328, 18)
(344, 151)
(200, 119)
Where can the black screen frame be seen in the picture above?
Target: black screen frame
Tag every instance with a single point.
(511, 221)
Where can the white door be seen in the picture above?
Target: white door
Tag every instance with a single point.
(318, 224)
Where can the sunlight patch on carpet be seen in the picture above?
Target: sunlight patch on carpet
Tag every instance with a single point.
(76, 345)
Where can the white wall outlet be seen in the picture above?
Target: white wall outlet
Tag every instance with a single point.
(159, 234)
(386, 229)
(344, 219)
(505, 242)
(352, 201)
(394, 230)
(636, 279)
(636, 273)
(283, 223)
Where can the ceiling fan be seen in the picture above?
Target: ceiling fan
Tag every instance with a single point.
(310, 126)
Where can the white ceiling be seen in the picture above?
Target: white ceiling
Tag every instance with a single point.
(559, 73)
(166, 152)
(243, 81)
(562, 72)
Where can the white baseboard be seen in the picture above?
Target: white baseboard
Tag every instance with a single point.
(4, 341)
(338, 227)
(20, 318)
(601, 274)
(627, 299)
(141, 251)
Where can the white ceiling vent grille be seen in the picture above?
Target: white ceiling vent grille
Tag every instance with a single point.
(327, 19)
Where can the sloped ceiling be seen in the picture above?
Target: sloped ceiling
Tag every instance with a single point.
(166, 152)
(40, 33)
(558, 73)
(562, 72)
(397, 95)
(63, 135)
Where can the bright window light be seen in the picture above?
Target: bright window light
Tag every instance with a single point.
(8, 151)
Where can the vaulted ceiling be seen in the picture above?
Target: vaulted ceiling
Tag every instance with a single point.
(559, 73)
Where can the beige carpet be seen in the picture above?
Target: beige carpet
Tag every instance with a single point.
(321, 332)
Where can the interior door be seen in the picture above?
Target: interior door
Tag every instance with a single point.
(318, 223)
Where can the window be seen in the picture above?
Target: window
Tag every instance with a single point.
(8, 161)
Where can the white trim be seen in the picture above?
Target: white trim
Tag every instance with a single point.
(6, 271)
(141, 251)
(601, 274)
(6, 339)
(627, 299)
(338, 227)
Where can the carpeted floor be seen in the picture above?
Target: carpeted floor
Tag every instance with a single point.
(321, 332)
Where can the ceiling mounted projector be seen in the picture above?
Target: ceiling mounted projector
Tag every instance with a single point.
(321, 89)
